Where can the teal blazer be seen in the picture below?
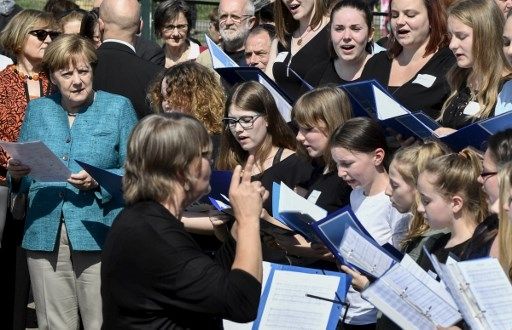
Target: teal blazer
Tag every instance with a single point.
(98, 136)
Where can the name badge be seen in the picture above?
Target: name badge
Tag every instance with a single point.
(472, 108)
(281, 56)
(313, 197)
(425, 80)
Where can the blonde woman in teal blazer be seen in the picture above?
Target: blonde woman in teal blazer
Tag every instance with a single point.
(67, 223)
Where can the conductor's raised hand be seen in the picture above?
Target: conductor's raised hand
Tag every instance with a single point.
(246, 197)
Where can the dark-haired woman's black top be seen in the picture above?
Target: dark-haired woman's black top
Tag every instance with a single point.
(417, 94)
(316, 50)
(329, 190)
(324, 73)
(479, 245)
(437, 248)
(155, 276)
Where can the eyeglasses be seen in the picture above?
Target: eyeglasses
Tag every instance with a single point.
(247, 122)
(487, 175)
(170, 27)
(235, 18)
(41, 35)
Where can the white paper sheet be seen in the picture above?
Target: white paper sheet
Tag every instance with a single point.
(409, 302)
(290, 201)
(358, 251)
(44, 165)
(219, 58)
(288, 307)
(386, 106)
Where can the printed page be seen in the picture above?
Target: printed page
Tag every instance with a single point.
(491, 290)
(219, 58)
(231, 325)
(290, 201)
(358, 251)
(438, 287)
(288, 307)
(285, 108)
(409, 302)
(44, 165)
(386, 106)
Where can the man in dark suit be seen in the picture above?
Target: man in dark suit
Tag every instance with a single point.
(119, 69)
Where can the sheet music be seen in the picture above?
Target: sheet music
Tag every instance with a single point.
(290, 201)
(409, 302)
(357, 250)
(288, 307)
(44, 165)
(491, 290)
(219, 58)
(230, 325)
(418, 272)
(386, 106)
(285, 108)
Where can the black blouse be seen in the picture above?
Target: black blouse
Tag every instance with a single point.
(155, 276)
(324, 73)
(436, 246)
(414, 95)
(315, 51)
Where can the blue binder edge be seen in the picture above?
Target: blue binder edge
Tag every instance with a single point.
(109, 181)
(336, 308)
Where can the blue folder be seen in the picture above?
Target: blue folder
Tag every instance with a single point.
(109, 181)
(340, 294)
(362, 99)
(219, 184)
(332, 229)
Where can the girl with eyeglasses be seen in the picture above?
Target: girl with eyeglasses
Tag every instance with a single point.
(254, 126)
(25, 39)
(173, 22)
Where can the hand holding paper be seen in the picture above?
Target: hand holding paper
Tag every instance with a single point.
(17, 169)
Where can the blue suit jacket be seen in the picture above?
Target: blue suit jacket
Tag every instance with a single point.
(98, 136)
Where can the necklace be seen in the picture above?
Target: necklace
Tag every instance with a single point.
(24, 76)
(299, 42)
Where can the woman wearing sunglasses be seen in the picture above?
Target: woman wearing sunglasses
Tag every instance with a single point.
(173, 22)
(68, 221)
(253, 126)
(24, 39)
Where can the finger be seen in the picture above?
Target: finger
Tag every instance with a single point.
(265, 195)
(13, 162)
(246, 176)
(235, 179)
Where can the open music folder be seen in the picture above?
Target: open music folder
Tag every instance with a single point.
(369, 98)
(409, 302)
(309, 298)
(481, 290)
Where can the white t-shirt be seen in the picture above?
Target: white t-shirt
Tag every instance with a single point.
(382, 221)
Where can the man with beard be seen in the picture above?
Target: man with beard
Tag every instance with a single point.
(236, 18)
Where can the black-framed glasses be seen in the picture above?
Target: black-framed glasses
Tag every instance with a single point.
(180, 27)
(247, 122)
(487, 175)
(235, 18)
(41, 35)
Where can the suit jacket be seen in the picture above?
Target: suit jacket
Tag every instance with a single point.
(98, 136)
(122, 72)
(149, 50)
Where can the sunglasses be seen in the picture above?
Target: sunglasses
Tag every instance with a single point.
(41, 35)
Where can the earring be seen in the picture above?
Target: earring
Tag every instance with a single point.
(186, 186)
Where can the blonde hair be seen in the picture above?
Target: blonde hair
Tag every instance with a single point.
(14, 36)
(457, 174)
(328, 106)
(487, 21)
(193, 89)
(68, 49)
(409, 163)
(505, 226)
(161, 150)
